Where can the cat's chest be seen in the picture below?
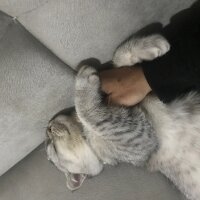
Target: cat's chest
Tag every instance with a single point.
(104, 149)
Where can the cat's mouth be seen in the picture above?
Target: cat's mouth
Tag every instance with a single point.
(74, 181)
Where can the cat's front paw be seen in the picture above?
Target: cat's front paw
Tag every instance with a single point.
(135, 50)
(87, 76)
(157, 45)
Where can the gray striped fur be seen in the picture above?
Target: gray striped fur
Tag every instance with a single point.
(127, 133)
(164, 137)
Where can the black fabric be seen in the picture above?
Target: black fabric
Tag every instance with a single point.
(178, 71)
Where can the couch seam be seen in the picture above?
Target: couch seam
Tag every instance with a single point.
(73, 70)
(16, 19)
(31, 10)
(6, 31)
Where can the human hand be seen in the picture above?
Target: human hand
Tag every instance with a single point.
(125, 85)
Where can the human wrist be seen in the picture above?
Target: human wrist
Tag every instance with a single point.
(145, 83)
(142, 81)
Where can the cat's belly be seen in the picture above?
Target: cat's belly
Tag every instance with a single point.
(179, 159)
(178, 134)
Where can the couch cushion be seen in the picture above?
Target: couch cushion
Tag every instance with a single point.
(16, 8)
(34, 178)
(34, 85)
(75, 30)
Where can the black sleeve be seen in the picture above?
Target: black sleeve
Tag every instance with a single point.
(178, 71)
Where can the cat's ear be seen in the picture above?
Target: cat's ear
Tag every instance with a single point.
(59, 130)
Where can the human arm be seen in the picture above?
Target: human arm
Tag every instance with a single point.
(169, 76)
(124, 85)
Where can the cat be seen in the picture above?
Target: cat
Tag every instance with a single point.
(163, 137)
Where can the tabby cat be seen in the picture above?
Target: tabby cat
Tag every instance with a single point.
(162, 137)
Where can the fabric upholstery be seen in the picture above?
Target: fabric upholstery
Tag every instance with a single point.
(36, 178)
(37, 41)
(34, 85)
(79, 29)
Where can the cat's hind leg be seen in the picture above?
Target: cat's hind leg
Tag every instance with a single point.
(137, 49)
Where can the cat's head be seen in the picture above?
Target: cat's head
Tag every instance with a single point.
(69, 151)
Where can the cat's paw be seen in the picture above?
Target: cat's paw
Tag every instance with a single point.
(124, 57)
(87, 76)
(135, 50)
(156, 45)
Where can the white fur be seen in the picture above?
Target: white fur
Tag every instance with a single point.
(136, 50)
(178, 133)
(177, 127)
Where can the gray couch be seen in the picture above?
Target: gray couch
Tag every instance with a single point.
(41, 42)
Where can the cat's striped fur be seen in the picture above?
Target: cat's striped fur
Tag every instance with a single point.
(165, 137)
(126, 134)
(168, 134)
